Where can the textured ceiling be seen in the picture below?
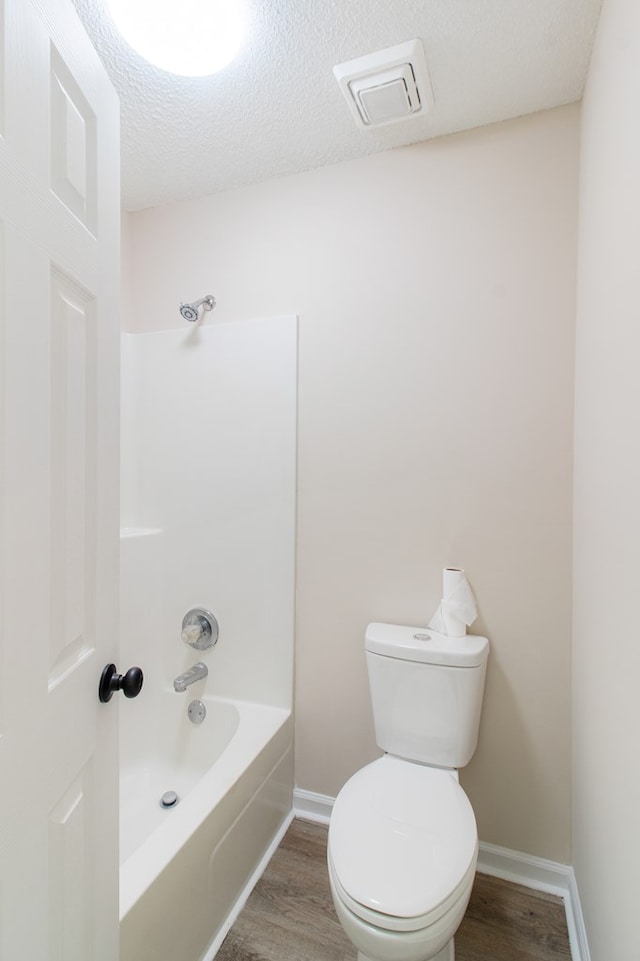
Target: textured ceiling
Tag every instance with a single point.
(277, 108)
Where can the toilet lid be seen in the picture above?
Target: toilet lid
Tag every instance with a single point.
(402, 837)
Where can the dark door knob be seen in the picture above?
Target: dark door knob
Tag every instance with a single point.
(110, 681)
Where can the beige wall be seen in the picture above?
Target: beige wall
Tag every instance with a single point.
(607, 485)
(435, 288)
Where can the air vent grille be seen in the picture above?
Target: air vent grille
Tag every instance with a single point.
(388, 86)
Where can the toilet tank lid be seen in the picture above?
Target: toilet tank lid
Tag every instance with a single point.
(425, 646)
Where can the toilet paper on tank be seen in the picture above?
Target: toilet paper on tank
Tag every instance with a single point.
(457, 609)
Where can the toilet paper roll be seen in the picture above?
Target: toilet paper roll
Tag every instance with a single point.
(457, 609)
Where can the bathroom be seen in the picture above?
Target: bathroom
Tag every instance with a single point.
(403, 469)
(465, 395)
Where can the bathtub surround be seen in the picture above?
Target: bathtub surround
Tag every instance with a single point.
(606, 653)
(435, 288)
(208, 441)
(208, 500)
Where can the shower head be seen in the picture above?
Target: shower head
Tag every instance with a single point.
(190, 311)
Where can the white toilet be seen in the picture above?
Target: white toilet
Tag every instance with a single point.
(403, 842)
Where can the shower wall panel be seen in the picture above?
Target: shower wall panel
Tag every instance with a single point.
(208, 475)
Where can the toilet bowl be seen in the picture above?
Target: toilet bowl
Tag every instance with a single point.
(402, 853)
(403, 842)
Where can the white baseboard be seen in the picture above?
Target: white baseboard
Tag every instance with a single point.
(541, 875)
(312, 807)
(575, 922)
(525, 869)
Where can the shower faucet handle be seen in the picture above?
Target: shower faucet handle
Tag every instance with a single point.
(110, 681)
(199, 629)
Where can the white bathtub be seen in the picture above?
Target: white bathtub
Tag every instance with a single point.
(184, 868)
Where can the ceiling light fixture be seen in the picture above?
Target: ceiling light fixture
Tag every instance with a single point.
(191, 38)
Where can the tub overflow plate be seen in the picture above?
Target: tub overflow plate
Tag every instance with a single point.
(197, 712)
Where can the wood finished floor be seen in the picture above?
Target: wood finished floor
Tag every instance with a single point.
(290, 915)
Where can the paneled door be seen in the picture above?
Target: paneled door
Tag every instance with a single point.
(59, 248)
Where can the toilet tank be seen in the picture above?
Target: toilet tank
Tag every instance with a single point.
(426, 692)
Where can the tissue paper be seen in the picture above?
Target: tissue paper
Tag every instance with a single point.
(457, 609)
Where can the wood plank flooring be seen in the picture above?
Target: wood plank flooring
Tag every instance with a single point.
(290, 915)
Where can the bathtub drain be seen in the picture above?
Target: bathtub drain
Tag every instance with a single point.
(169, 799)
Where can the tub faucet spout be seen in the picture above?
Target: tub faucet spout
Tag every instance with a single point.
(195, 673)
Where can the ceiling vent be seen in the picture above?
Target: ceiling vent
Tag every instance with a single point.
(387, 86)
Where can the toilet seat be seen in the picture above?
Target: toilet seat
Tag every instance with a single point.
(403, 844)
(388, 922)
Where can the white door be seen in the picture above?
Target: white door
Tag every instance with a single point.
(59, 248)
